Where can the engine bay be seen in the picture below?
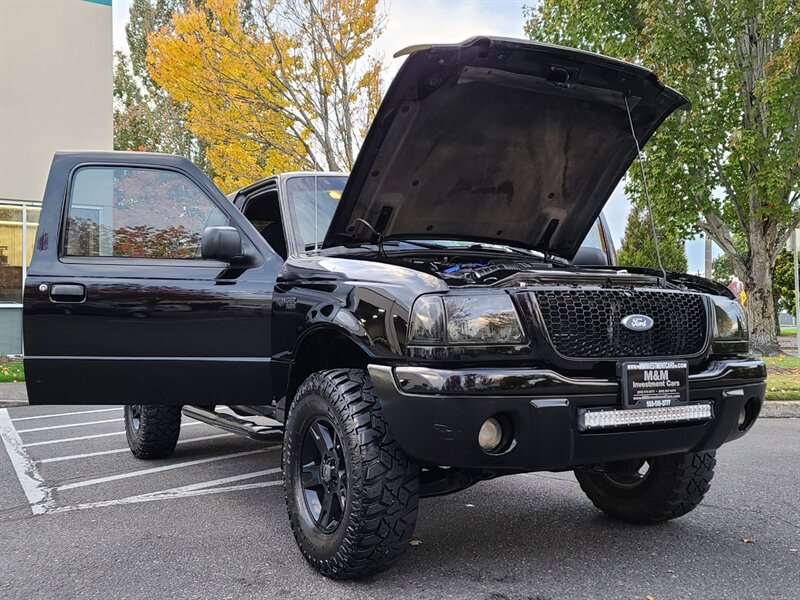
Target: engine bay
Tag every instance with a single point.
(484, 273)
(507, 272)
(481, 271)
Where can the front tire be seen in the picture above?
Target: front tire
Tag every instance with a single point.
(152, 431)
(351, 492)
(649, 490)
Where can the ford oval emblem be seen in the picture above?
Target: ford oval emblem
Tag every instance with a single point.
(638, 322)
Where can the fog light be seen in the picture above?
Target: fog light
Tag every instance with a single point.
(748, 415)
(490, 435)
(742, 418)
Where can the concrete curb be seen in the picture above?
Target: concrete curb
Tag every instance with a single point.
(14, 394)
(781, 409)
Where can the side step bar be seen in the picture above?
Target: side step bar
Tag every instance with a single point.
(261, 433)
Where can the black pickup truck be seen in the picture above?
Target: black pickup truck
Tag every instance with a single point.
(450, 312)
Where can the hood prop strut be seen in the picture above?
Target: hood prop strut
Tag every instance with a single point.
(646, 191)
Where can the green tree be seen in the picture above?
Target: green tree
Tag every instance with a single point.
(146, 117)
(730, 165)
(639, 250)
(722, 269)
(784, 281)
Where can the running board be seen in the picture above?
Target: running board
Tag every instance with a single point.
(261, 433)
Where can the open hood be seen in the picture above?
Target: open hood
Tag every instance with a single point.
(499, 140)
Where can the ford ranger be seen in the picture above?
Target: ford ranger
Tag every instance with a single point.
(450, 312)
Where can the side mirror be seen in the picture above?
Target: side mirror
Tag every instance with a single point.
(590, 257)
(221, 243)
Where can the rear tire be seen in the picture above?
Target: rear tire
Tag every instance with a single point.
(670, 487)
(350, 491)
(152, 431)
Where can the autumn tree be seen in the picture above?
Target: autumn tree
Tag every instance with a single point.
(146, 117)
(272, 85)
(638, 248)
(730, 165)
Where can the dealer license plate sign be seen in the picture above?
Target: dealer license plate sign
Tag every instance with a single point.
(653, 384)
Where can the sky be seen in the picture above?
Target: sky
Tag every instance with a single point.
(441, 21)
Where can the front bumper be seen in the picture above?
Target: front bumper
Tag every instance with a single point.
(436, 414)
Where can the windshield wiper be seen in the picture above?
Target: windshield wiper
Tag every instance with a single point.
(536, 253)
(429, 245)
(504, 248)
(395, 243)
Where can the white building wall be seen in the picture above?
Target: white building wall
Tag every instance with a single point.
(56, 87)
(56, 93)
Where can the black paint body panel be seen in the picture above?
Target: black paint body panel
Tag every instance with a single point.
(148, 331)
(210, 333)
(442, 428)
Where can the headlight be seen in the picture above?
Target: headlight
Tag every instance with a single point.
(427, 321)
(486, 319)
(730, 322)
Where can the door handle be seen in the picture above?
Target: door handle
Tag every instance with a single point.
(67, 292)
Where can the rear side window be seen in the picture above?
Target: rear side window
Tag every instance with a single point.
(137, 213)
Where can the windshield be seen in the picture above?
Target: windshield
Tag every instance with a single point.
(313, 200)
(594, 239)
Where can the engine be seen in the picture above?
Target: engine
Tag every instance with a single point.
(485, 273)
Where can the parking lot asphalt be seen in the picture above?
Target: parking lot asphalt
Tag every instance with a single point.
(82, 518)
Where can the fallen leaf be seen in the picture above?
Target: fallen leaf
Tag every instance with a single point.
(748, 540)
(649, 597)
(415, 542)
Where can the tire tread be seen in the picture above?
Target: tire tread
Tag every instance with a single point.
(159, 430)
(384, 513)
(681, 484)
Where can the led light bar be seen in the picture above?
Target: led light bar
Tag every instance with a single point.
(609, 419)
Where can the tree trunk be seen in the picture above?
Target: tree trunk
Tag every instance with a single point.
(761, 312)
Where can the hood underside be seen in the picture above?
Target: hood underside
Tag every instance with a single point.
(499, 140)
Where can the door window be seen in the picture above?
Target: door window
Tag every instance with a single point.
(137, 213)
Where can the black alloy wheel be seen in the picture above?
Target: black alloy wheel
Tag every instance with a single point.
(627, 474)
(324, 475)
(135, 416)
(350, 491)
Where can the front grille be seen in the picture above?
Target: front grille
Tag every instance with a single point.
(588, 323)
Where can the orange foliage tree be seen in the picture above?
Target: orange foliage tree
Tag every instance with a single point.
(272, 85)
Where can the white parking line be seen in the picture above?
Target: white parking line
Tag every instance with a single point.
(39, 495)
(165, 495)
(232, 479)
(67, 414)
(64, 426)
(190, 463)
(118, 450)
(91, 437)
